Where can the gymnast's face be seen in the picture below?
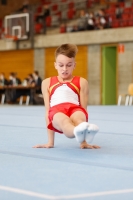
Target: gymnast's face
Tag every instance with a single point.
(64, 66)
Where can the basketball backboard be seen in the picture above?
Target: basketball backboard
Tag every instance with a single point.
(17, 25)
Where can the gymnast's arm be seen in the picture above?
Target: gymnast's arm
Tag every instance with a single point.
(45, 91)
(84, 93)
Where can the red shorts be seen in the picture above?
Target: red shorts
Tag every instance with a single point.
(66, 108)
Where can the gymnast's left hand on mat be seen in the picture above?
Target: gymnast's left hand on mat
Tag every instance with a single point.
(43, 146)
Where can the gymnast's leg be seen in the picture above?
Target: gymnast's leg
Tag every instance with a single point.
(65, 124)
(90, 132)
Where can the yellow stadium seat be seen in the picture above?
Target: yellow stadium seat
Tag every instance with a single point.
(128, 97)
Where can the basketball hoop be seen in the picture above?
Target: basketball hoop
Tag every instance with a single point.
(11, 38)
(16, 25)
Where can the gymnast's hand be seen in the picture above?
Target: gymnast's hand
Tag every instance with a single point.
(44, 146)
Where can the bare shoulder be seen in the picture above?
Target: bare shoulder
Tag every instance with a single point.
(45, 83)
(83, 82)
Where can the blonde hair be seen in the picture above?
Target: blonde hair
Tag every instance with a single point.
(69, 50)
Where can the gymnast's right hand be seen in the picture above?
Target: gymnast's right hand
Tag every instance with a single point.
(44, 146)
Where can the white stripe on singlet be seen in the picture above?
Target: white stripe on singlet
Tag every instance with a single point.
(64, 94)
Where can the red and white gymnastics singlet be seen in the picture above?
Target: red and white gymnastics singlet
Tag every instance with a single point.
(65, 98)
(64, 92)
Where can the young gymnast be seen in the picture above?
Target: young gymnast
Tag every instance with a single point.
(66, 98)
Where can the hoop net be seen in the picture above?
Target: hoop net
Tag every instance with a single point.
(9, 39)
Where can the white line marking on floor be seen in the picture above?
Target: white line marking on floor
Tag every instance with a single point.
(44, 196)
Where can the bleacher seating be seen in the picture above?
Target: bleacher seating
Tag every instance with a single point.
(67, 10)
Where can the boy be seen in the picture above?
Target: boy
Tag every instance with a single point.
(66, 98)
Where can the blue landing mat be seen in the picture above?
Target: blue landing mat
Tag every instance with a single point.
(66, 171)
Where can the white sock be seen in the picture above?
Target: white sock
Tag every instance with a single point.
(80, 130)
(90, 133)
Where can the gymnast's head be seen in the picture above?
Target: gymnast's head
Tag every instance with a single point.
(65, 59)
(68, 50)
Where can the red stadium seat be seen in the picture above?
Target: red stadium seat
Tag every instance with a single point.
(38, 28)
(130, 23)
(125, 16)
(0, 23)
(127, 10)
(115, 24)
(45, 2)
(122, 4)
(48, 21)
(131, 16)
(123, 23)
(112, 6)
(63, 28)
(54, 7)
(110, 11)
(71, 5)
(70, 14)
(89, 3)
(39, 9)
(96, 1)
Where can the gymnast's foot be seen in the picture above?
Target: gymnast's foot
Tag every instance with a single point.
(80, 130)
(84, 145)
(91, 132)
